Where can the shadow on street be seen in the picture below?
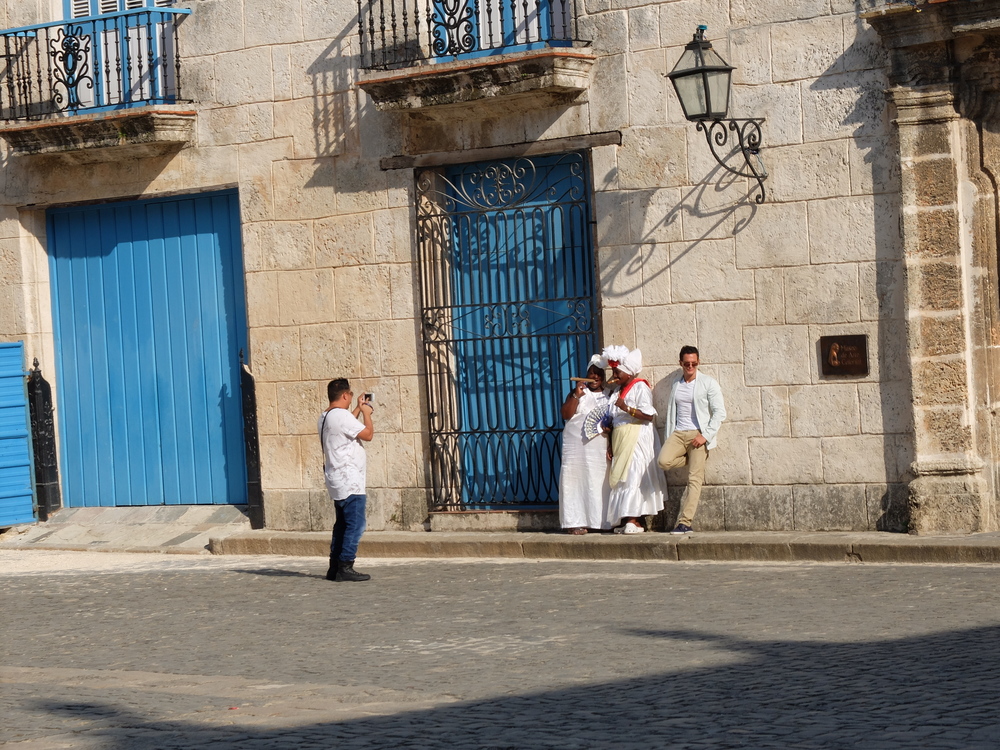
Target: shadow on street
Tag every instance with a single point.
(935, 691)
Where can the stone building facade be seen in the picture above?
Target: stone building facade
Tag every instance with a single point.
(880, 219)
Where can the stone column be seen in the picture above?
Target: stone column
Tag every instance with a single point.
(949, 492)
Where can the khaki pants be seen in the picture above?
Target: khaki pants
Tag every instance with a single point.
(675, 453)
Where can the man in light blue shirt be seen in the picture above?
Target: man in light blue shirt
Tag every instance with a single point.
(695, 412)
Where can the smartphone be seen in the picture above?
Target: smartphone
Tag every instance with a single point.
(370, 398)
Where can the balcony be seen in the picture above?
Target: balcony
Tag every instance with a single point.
(432, 53)
(93, 82)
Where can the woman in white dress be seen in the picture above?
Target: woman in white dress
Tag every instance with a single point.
(583, 480)
(637, 483)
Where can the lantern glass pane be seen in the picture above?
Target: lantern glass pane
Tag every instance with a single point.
(718, 92)
(691, 92)
(711, 59)
(689, 60)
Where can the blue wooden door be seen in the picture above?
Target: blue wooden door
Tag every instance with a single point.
(522, 294)
(17, 495)
(150, 317)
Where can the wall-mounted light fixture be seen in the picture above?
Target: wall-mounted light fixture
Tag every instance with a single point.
(702, 81)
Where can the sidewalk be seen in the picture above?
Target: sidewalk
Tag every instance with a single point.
(173, 529)
(225, 530)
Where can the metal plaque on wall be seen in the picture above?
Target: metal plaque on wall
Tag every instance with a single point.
(844, 355)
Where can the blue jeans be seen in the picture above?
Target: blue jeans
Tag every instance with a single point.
(348, 528)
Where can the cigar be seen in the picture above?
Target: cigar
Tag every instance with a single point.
(583, 380)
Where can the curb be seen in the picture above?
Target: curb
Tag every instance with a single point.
(61, 547)
(833, 547)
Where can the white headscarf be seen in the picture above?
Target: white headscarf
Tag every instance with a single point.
(632, 363)
(615, 354)
(599, 361)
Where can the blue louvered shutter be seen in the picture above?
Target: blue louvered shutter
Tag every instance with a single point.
(17, 497)
(82, 8)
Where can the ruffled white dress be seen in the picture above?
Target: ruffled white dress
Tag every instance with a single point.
(583, 480)
(642, 491)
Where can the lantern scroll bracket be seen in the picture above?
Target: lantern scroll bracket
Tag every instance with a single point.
(702, 81)
(748, 135)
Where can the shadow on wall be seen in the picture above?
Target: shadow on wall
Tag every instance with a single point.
(937, 690)
(719, 206)
(334, 113)
(336, 121)
(861, 230)
(874, 217)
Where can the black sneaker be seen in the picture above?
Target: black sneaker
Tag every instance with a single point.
(682, 528)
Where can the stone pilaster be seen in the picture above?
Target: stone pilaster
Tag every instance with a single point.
(949, 491)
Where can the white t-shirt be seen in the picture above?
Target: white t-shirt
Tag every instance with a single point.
(687, 418)
(345, 457)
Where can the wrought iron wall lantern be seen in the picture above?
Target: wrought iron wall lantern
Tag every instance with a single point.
(702, 80)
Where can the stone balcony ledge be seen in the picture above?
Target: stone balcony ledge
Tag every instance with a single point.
(104, 136)
(548, 77)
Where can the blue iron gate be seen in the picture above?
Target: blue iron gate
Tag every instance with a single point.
(507, 278)
(17, 496)
(149, 320)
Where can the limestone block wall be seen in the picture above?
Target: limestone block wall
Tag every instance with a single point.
(29, 12)
(326, 236)
(684, 255)
(327, 244)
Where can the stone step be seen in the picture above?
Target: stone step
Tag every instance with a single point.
(850, 547)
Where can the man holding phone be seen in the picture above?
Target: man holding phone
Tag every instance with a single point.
(341, 432)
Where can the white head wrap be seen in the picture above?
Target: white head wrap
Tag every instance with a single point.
(632, 363)
(599, 361)
(615, 353)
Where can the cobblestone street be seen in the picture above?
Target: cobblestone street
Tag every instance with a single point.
(119, 651)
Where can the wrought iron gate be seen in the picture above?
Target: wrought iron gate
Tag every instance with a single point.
(507, 282)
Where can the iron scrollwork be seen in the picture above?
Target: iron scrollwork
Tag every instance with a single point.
(498, 187)
(580, 317)
(453, 27)
(506, 320)
(71, 52)
(748, 134)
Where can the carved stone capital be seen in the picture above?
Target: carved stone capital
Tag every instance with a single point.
(917, 105)
(931, 42)
(941, 466)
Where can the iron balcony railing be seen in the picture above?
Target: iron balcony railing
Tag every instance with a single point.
(113, 61)
(402, 33)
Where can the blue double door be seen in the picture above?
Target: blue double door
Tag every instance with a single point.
(150, 316)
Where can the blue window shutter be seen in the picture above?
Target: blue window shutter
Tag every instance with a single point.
(16, 470)
(79, 8)
(83, 8)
